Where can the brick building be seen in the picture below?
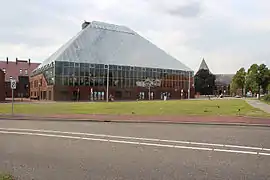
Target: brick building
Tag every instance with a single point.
(20, 71)
(109, 56)
(222, 81)
(2, 86)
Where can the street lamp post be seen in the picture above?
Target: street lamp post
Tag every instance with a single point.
(188, 85)
(107, 86)
(148, 83)
(149, 93)
(39, 84)
(244, 90)
(259, 93)
(108, 71)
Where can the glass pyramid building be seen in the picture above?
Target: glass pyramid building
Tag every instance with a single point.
(102, 51)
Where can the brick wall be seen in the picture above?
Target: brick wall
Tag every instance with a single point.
(2, 86)
(39, 88)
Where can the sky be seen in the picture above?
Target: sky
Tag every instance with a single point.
(228, 34)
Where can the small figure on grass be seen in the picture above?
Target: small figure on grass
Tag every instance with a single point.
(111, 98)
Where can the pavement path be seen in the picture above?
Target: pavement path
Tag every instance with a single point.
(239, 120)
(260, 105)
(72, 150)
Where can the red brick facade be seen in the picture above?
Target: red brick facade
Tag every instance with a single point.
(20, 71)
(2, 86)
(40, 90)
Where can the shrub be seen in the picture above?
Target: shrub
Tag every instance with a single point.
(267, 98)
(6, 177)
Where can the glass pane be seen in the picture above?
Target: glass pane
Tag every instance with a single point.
(71, 71)
(58, 70)
(87, 82)
(82, 81)
(86, 70)
(76, 71)
(66, 81)
(76, 81)
(66, 70)
(66, 64)
(70, 81)
(82, 70)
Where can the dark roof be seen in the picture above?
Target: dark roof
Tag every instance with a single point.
(225, 79)
(12, 69)
(204, 66)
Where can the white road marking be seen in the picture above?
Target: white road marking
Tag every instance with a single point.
(264, 154)
(138, 138)
(134, 142)
(243, 147)
(234, 151)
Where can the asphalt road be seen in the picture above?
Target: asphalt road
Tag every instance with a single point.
(70, 150)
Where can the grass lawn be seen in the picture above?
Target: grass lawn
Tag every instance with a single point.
(184, 107)
(6, 177)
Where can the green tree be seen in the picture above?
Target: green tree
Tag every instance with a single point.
(268, 88)
(233, 88)
(239, 79)
(258, 78)
(204, 82)
(251, 80)
(263, 77)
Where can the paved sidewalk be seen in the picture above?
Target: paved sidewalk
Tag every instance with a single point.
(260, 105)
(220, 120)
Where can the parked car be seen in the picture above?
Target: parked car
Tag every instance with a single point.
(249, 94)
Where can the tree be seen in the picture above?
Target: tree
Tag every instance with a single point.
(233, 88)
(263, 77)
(268, 88)
(204, 82)
(258, 78)
(251, 80)
(239, 79)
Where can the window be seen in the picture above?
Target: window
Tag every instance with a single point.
(26, 72)
(20, 71)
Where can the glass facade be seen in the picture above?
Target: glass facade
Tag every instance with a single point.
(76, 68)
(95, 75)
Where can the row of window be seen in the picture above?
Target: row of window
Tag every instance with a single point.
(85, 74)
(25, 71)
(117, 73)
(121, 83)
(43, 95)
(36, 83)
(81, 67)
(20, 71)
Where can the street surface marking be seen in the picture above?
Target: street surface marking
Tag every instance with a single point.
(234, 151)
(138, 138)
(264, 154)
(134, 143)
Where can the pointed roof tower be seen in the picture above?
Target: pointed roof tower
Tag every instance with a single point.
(204, 65)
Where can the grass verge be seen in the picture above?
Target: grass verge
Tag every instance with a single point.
(186, 107)
(4, 176)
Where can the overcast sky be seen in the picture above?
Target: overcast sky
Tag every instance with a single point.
(229, 34)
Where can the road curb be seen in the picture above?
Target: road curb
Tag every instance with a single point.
(134, 121)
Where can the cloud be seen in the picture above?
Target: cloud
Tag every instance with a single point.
(192, 9)
(229, 34)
